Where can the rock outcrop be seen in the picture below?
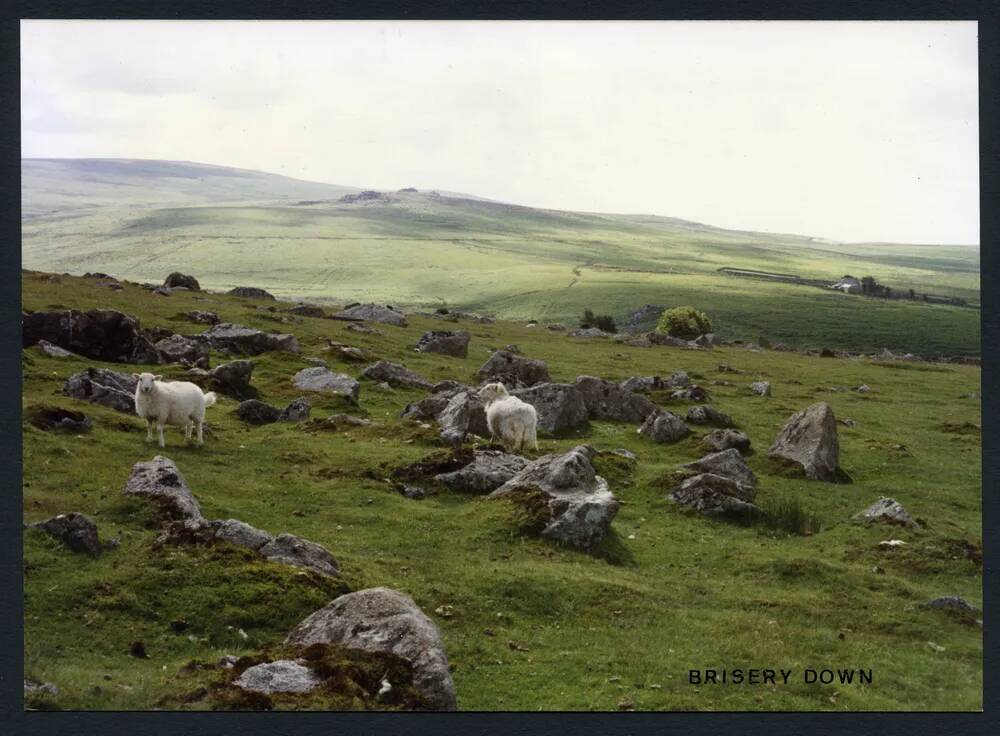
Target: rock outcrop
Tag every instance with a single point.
(240, 340)
(607, 400)
(161, 482)
(514, 371)
(464, 414)
(178, 279)
(180, 349)
(100, 334)
(372, 313)
(74, 530)
(708, 414)
(714, 495)
(444, 342)
(886, 511)
(323, 380)
(395, 375)
(727, 463)
(722, 439)
(101, 386)
(251, 292)
(560, 406)
(488, 470)
(232, 379)
(663, 427)
(809, 439)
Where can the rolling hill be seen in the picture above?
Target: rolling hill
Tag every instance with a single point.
(143, 219)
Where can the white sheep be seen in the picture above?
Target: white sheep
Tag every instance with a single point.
(178, 403)
(515, 421)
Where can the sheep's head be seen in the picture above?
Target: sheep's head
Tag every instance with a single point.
(146, 381)
(492, 392)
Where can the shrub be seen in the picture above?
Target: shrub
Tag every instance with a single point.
(601, 321)
(684, 322)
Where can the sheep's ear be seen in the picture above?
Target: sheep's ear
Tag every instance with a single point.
(157, 377)
(136, 375)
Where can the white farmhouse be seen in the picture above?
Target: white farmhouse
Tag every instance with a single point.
(848, 285)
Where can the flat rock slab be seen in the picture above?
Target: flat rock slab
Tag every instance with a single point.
(809, 439)
(54, 351)
(74, 530)
(488, 470)
(385, 620)
(242, 534)
(372, 313)
(714, 495)
(886, 511)
(106, 388)
(282, 676)
(292, 550)
(233, 338)
(727, 463)
(663, 427)
(323, 380)
(395, 375)
(513, 370)
(161, 482)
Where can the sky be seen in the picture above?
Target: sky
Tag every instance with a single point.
(853, 131)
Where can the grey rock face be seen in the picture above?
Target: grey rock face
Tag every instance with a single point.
(240, 533)
(723, 439)
(339, 421)
(690, 393)
(464, 414)
(232, 378)
(952, 603)
(363, 329)
(101, 334)
(179, 349)
(384, 620)
(560, 406)
(488, 470)
(513, 370)
(161, 482)
(373, 313)
(809, 439)
(291, 550)
(251, 292)
(35, 687)
(53, 418)
(588, 332)
(645, 384)
(240, 340)
(323, 380)
(607, 400)
(306, 310)
(708, 414)
(54, 351)
(282, 676)
(662, 338)
(430, 406)
(453, 343)
(395, 375)
(104, 387)
(581, 506)
(727, 463)
(253, 411)
(203, 318)
(663, 427)
(74, 530)
(179, 279)
(296, 411)
(887, 511)
(714, 495)
(761, 388)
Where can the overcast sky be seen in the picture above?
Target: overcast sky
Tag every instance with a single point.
(852, 131)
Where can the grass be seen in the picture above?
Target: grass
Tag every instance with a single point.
(534, 625)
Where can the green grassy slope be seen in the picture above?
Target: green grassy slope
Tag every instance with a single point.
(421, 249)
(535, 626)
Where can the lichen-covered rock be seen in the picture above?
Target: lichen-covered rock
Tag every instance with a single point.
(727, 463)
(664, 427)
(886, 511)
(74, 530)
(464, 414)
(722, 439)
(240, 340)
(323, 380)
(513, 371)
(384, 620)
(232, 379)
(240, 533)
(761, 388)
(580, 505)
(297, 411)
(714, 495)
(445, 342)
(253, 411)
(372, 313)
(161, 482)
(282, 676)
(430, 406)
(607, 400)
(395, 375)
(488, 470)
(54, 351)
(809, 439)
(180, 349)
(251, 292)
(560, 406)
(291, 550)
(100, 334)
(708, 414)
(101, 386)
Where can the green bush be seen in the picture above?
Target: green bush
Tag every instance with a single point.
(601, 321)
(684, 322)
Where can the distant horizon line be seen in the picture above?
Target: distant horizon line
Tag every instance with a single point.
(820, 240)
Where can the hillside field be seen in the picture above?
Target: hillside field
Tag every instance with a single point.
(535, 626)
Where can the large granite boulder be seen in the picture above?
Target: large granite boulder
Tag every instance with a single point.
(445, 342)
(161, 482)
(384, 620)
(101, 386)
(579, 504)
(240, 340)
(714, 495)
(372, 313)
(464, 414)
(178, 279)
(560, 406)
(74, 530)
(886, 511)
(100, 334)
(232, 379)
(395, 375)
(708, 414)
(430, 406)
(251, 292)
(180, 349)
(809, 439)
(607, 400)
(727, 463)
(664, 427)
(722, 439)
(323, 380)
(488, 470)
(514, 371)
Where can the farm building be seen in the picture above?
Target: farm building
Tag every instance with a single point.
(848, 285)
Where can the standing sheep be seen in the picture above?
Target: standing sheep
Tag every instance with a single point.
(515, 421)
(177, 403)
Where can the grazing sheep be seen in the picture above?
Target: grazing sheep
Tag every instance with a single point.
(178, 403)
(515, 421)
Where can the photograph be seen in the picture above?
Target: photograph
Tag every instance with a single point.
(499, 366)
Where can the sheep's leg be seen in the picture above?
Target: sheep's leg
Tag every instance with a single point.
(188, 427)
(201, 440)
(159, 431)
(149, 429)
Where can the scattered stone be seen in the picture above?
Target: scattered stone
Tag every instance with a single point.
(429, 407)
(560, 406)
(179, 279)
(847, 422)
(513, 370)
(888, 511)
(726, 368)
(241, 340)
(282, 676)
(556, 327)
(180, 349)
(297, 411)
(34, 688)
(395, 375)
(54, 351)
(705, 341)
(162, 291)
(580, 506)
(464, 414)
(53, 418)
(323, 380)
(708, 414)
(104, 387)
(372, 313)
(627, 454)
(339, 421)
(664, 427)
(291, 550)
(364, 329)
(691, 393)
(723, 439)
(761, 388)
(809, 439)
(240, 533)
(306, 310)
(607, 400)
(952, 603)
(455, 344)
(203, 318)
(253, 411)
(864, 388)
(232, 379)
(250, 292)
(488, 470)
(74, 530)
(645, 384)
(727, 463)
(138, 649)
(662, 338)
(714, 495)
(415, 492)
(384, 620)
(100, 334)
(589, 332)
(827, 353)
(161, 482)
(352, 354)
